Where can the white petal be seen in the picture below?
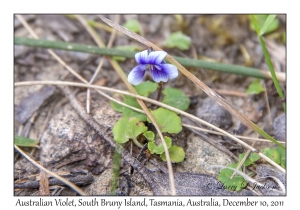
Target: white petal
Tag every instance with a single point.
(137, 74)
(158, 75)
(156, 57)
(170, 70)
(142, 57)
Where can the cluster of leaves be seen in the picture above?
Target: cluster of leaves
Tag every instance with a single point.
(277, 155)
(131, 126)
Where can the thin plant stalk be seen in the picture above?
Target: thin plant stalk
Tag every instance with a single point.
(243, 160)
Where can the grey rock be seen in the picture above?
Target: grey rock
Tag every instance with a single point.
(279, 127)
(200, 157)
(69, 138)
(212, 112)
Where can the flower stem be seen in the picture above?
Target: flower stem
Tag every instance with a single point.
(160, 85)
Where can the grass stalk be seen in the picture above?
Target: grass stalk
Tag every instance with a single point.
(268, 60)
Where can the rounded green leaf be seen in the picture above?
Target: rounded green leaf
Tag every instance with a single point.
(127, 112)
(273, 154)
(255, 87)
(128, 128)
(133, 25)
(282, 156)
(167, 120)
(177, 154)
(116, 107)
(145, 88)
(179, 40)
(237, 182)
(160, 148)
(252, 158)
(176, 98)
(149, 135)
(152, 147)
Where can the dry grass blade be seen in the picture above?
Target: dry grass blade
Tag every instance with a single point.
(68, 183)
(44, 184)
(194, 79)
(243, 160)
(218, 133)
(192, 117)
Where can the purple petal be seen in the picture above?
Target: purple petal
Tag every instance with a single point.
(170, 70)
(158, 75)
(142, 57)
(137, 74)
(156, 57)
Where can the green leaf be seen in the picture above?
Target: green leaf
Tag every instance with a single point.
(129, 48)
(145, 88)
(237, 182)
(179, 40)
(152, 147)
(255, 87)
(25, 142)
(265, 24)
(128, 128)
(177, 154)
(268, 24)
(149, 135)
(127, 112)
(114, 105)
(167, 120)
(273, 154)
(176, 98)
(252, 158)
(133, 25)
(160, 148)
(282, 156)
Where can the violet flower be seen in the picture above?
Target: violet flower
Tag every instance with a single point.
(159, 70)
